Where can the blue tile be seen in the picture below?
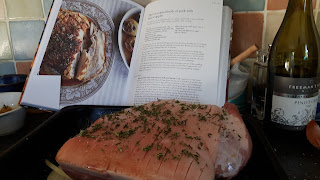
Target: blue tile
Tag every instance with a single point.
(47, 5)
(245, 5)
(25, 36)
(7, 68)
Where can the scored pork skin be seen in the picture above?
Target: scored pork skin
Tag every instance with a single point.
(159, 140)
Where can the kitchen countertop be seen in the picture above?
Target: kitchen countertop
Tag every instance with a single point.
(296, 155)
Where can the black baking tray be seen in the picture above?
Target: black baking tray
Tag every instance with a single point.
(26, 159)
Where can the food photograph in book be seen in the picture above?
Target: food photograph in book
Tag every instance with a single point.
(91, 46)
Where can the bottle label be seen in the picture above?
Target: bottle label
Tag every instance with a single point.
(294, 101)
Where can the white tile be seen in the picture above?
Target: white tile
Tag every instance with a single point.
(24, 9)
(2, 15)
(5, 50)
(274, 20)
(25, 36)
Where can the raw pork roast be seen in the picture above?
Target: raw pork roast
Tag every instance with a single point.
(160, 140)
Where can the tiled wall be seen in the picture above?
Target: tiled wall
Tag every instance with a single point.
(257, 22)
(21, 25)
(22, 21)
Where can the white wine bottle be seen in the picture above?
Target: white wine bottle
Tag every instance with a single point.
(293, 69)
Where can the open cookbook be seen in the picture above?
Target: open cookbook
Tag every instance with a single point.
(117, 52)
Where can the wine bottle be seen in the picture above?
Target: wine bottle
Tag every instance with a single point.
(293, 69)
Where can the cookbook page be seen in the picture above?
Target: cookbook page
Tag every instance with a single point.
(178, 53)
(84, 54)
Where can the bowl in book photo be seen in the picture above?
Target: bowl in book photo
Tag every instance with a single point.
(128, 30)
(80, 49)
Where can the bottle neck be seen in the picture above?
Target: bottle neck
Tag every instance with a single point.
(300, 5)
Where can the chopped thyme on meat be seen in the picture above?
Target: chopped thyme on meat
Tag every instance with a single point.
(159, 156)
(115, 127)
(147, 148)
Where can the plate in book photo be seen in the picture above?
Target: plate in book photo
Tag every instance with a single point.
(80, 49)
(127, 34)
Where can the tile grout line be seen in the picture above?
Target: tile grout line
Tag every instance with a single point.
(43, 11)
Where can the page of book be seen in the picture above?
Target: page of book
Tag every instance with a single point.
(82, 58)
(178, 53)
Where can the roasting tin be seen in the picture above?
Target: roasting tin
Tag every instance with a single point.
(26, 159)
